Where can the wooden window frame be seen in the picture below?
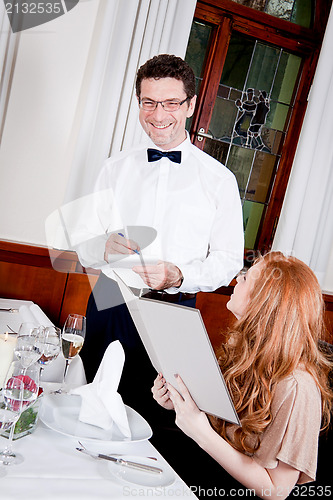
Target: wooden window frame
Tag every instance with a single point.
(225, 17)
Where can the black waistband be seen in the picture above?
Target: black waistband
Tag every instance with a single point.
(169, 297)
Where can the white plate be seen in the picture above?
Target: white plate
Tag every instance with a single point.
(143, 478)
(60, 412)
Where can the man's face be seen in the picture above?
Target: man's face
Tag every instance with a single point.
(166, 129)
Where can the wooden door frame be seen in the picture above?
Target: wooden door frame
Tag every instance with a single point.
(225, 17)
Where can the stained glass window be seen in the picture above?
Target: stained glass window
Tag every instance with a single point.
(257, 71)
(250, 120)
(296, 11)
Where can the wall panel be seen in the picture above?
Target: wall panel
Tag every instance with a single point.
(27, 273)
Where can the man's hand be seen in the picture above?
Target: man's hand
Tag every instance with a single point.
(161, 276)
(117, 244)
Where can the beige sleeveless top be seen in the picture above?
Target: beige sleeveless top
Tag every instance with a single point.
(292, 436)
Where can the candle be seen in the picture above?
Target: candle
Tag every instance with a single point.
(7, 344)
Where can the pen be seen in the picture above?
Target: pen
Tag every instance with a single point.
(136, 251)
(141, 259)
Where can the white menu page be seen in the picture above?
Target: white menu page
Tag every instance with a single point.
(177, 342)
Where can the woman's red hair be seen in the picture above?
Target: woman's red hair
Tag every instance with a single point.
(279, 332)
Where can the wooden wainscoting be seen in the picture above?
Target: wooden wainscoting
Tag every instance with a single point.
(54, 280)
(59, 285)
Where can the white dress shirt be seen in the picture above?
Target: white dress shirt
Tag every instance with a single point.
(194, 207)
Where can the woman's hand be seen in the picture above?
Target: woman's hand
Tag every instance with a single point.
(160, 392)
(189, 418)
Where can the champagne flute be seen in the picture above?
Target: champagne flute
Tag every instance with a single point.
(20, 390)
(49, 345)
(26, 349)
(72, 339)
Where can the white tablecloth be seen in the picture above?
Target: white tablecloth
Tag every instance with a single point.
(53, 469)
(12, 319)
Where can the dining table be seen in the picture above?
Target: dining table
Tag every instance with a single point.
(54, 468)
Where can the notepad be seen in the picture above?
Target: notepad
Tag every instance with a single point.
(177, 342)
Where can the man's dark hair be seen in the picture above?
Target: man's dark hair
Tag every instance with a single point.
(167, 66)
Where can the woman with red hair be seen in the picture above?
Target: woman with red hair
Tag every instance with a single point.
(278, 376)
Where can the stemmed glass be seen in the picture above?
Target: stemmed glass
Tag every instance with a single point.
(19, 391)
(72, 338)
(49, 344)
(27, 348)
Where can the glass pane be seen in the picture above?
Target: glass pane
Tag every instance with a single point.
(240, 162)
(296, 11)
(196, 53)
(197, 46)
(222, 129)
(254, 4)
(261, 177)
(263, 68)
(281, 9)
(237, 61)
(277, 118)
(278, 143)
(217, 149)
(286, 77)
(303, 13)
(252, 213)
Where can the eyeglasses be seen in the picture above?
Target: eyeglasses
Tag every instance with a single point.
(169, 105)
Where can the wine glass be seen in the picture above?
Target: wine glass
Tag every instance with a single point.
(49, 344)
(26, 349)
(19, 391)
(72, 338)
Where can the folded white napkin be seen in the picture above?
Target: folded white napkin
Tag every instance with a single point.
(101, 404)
(34, 314)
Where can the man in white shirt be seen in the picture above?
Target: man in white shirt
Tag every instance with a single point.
(189, 199)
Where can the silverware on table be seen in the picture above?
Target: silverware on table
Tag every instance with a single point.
(123, 462)
(9, 309)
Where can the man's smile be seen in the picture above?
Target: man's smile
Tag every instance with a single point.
(161, 126)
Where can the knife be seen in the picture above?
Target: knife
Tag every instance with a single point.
(8, 309)
(121, 461)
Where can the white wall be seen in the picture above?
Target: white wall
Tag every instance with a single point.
(34, 156)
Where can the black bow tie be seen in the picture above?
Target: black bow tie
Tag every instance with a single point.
(155, 154)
